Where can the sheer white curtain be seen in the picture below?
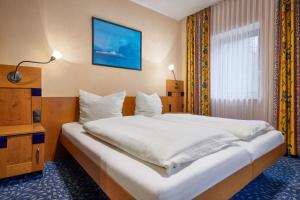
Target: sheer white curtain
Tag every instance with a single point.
(242, 45)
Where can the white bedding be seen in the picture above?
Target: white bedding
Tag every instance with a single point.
(166, 144)
(243, 129)
(262, 144)
(145, 181)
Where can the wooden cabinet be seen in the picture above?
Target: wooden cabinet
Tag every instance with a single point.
(21, 149)
(22, 137)
(175, 95)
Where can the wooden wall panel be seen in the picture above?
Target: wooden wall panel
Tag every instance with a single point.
(129, 106)
(31, 77)
(164, 101)
(59, 110)
(15, 106)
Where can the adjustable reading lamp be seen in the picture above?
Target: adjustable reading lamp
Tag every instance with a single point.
(16, 76)
(171, 68)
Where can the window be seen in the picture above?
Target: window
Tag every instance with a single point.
(235, 67)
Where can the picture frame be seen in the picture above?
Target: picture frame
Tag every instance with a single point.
(115, 45)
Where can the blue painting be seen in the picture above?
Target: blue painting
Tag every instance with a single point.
(116, 46)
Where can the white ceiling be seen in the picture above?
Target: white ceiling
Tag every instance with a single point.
(176, 9)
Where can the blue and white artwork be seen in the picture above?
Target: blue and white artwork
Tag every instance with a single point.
(116, 46)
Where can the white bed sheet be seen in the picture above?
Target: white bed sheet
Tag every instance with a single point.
(146, 181)
(262, 144)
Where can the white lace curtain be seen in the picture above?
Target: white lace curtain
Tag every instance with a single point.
(242, 45)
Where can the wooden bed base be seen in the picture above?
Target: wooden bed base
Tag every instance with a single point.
(222, 190)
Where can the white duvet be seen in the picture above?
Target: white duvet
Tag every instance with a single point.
(166, 144)
(243, 129)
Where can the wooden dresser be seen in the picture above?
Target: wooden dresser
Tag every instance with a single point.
(22, 137)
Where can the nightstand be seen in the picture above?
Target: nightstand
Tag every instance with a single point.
(21, 149)
(22, 137)
(175, 96)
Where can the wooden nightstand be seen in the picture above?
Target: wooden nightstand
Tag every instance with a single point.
(21, 149)
(22, 137)
(175, 96)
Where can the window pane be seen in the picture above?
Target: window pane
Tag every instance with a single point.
(235, 63)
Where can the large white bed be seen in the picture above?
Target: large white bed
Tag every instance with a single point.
(146, 181)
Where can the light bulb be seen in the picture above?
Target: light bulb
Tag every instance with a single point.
(56, 54)
(171, 67)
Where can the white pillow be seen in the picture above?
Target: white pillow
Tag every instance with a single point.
(93, 107)
(148, 105)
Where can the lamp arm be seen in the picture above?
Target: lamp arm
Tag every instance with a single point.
(16, 76)
(28, 61)
(174, 75)
(176, 82)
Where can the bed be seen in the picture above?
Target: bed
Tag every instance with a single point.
(216, 176)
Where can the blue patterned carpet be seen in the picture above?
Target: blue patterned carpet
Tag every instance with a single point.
(67, 180)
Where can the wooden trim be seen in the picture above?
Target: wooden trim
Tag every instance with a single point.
(21, 129)
(221, 191)
(112, 189)
(57, 111)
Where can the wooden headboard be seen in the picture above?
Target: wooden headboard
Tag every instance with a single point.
(59, 110)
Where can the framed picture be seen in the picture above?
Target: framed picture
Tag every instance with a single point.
(115, 45)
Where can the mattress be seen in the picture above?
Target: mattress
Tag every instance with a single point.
(262, 144)
(146, 181)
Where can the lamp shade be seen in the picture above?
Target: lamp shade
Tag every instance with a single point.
(56, 54)
(171, 67)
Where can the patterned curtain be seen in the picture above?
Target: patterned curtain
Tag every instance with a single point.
(287, 73)
(198, 63)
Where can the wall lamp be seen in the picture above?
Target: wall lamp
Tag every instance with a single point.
(171, 68)
(16, 76)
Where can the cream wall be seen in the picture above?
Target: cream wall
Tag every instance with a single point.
(31, 29)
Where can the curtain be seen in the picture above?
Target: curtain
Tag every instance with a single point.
(287, 73)
(197, 89)
(242, 59)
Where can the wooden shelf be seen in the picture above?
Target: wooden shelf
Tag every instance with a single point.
(21, 129)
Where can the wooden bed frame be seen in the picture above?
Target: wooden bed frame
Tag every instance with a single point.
(66, 110)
